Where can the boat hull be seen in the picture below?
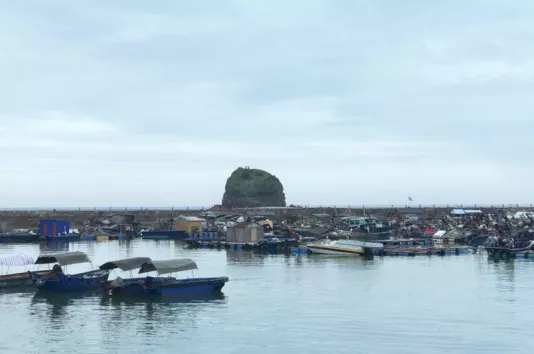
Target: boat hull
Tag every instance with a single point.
(20, 280)
(322, 249)
(346, 247)
(63, 283)
(164, 235)
(172, 288)
(272, 245)
(18, 238)
(476, 241)
(63, 238)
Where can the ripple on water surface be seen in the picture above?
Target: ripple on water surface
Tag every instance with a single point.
(279, 304)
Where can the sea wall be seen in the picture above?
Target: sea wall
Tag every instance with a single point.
(14, 219)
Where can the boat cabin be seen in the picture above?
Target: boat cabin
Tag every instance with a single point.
(359, 222)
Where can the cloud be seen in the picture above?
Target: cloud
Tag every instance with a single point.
(478, 72)
(127, 103)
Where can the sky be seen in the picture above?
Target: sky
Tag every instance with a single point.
(348, 102)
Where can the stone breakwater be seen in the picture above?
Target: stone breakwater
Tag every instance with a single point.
(18, 219)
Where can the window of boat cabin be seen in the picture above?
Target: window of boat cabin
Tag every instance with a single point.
(354, 222)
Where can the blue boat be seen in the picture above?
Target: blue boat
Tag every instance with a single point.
(476, 240)
(62, 238)
(167, 286)
(126, 265)
(19, 237)
(275, 244)
(57, 281)
(164, 235)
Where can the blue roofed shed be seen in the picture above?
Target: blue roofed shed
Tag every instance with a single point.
(52, 227)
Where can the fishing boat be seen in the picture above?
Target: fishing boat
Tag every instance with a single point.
(17, 280)
(167, 286)
(475, 240)
(508, 249)
(345, 247)
(164, 235)
(71, 237)
(19, 236)
(57, 281)
(126, 265)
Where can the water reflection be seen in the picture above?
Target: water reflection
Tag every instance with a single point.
(161, 243)
(156, 316)
(342, 261)
(305, 303)
(63, 313)
(6, 248)
(251, 258)
(118, 301)
(54, 246)
(240, 256)
(89, 246)
(52, 308)
(504, 271)
(180, 244)
(21, 290)
(298, 259)
(127, 245)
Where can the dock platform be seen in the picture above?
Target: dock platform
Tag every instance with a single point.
(524, 254)
(423, 251)
(405, 251)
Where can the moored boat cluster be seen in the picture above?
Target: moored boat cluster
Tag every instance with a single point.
(388, 232)
(161, 285)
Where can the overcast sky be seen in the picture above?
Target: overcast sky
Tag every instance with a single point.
(129, 103)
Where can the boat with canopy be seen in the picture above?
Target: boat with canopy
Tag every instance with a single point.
(58, 281)
(125, 265)
(167, 286)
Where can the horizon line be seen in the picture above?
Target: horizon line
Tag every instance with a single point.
(293, 206)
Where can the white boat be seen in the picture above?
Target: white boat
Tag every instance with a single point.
(345, 247)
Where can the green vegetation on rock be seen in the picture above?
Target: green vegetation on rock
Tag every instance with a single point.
(253, 188)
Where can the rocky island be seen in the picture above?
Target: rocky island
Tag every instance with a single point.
(248, 187)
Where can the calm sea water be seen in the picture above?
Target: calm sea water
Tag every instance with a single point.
(287, 304)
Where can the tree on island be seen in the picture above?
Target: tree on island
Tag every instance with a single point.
(253, 188)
